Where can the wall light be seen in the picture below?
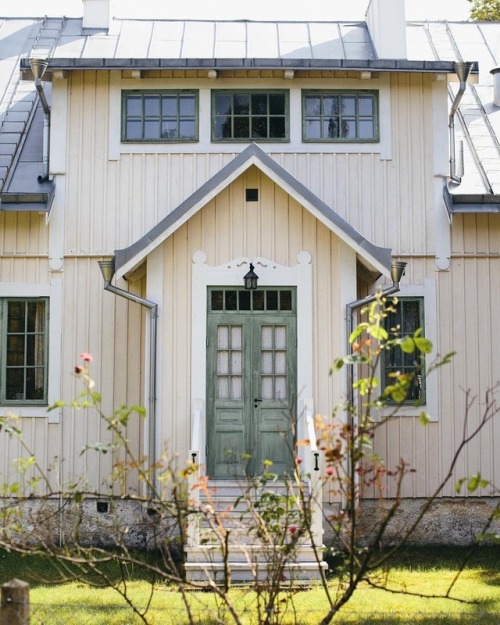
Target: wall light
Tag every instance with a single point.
(250, 279)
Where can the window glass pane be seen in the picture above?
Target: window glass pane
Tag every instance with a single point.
(277, 128)
(169, 105)
(313, 129)
(258, 300)
(169, 129)
(222, 363)
(280, 388)
(272, 300)
(223, 337)
(223, 127)
(236, 388)
(280, 362)
(366, 129)
(187, 105)
(35, 349)
(365, 105)
(259, 127)
(15, 384)
(280, 337)
(217, 300)
(223, 388)
(348, 128)
(36, 317)
(244, 300)
(236, 335)
(236, 363)
(285, 300)
(134, 105)
(241, 128)
(151, 105)
(241, 103)
(35, 384)
(277, 104)
(259, 104)
(187, 129)
(312, 105)
(330, 105)
(331, 128)
(266, 362)
(16, 316)
(223, 104)
(266, 387)
(348, 105)
(15, 350)
(411, 316)
(134, 130)
(231, 300)
(266, 337)
(152, 129)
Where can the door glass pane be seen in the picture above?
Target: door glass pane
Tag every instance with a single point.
(266, 387)
(266, 362)
(222, 363)
(223, 337)
(231, 300)
(244, 297)
(236, 337)
(280, 337)
(217, 300)
(280, 387)
(266, 341)
(272, 300)
(236, 388)
(223, 388)
(280, 362)
(258, 300)
(236, 367)
(285, 300)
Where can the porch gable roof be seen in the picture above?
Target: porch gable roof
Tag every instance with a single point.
(129, 258)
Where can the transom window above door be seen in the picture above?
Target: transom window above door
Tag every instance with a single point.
(261, 300)
(163, 116)
(248, 115)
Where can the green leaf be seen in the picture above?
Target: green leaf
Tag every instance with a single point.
(475, 482)
(407, 345)
(378, 332)
(424, 418)
(424, 345)
(459, 484)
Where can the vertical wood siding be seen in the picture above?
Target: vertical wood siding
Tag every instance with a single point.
(110, 204)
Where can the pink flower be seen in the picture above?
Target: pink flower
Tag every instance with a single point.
(79, 369)
(299, 460)
(292, 529)
(85, 356)
(329, 471)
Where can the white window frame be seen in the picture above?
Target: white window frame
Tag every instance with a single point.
(53, 293)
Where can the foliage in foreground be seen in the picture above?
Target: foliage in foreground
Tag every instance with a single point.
(485, 10)
(279, 513)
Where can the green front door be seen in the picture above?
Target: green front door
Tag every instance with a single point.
(251, 381)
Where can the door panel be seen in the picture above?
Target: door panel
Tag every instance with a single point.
(251, 379)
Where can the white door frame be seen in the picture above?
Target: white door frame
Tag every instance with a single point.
(231, 274)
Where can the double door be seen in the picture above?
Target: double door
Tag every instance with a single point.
(251, 382)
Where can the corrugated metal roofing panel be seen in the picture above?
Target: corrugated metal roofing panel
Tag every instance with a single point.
(417, 43)
(491, 36)
(70, 46)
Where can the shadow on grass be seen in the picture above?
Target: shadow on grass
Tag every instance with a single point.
(39, 570)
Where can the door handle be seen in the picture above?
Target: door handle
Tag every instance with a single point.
(255, 400)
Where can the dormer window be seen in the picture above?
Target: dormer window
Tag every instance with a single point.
(162, 116)
(250, 115)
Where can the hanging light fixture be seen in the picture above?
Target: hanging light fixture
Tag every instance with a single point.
(250, 279)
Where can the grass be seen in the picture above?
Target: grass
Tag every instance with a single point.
(416, 570)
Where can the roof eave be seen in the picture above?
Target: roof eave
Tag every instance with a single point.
(373, 65)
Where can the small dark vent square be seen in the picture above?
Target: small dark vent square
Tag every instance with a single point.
(252, 195)
(102, 507)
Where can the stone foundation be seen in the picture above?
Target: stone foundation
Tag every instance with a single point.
(449, 521)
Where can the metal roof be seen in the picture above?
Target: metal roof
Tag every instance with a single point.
(135, 44)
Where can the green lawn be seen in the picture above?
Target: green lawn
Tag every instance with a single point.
(417, 571)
